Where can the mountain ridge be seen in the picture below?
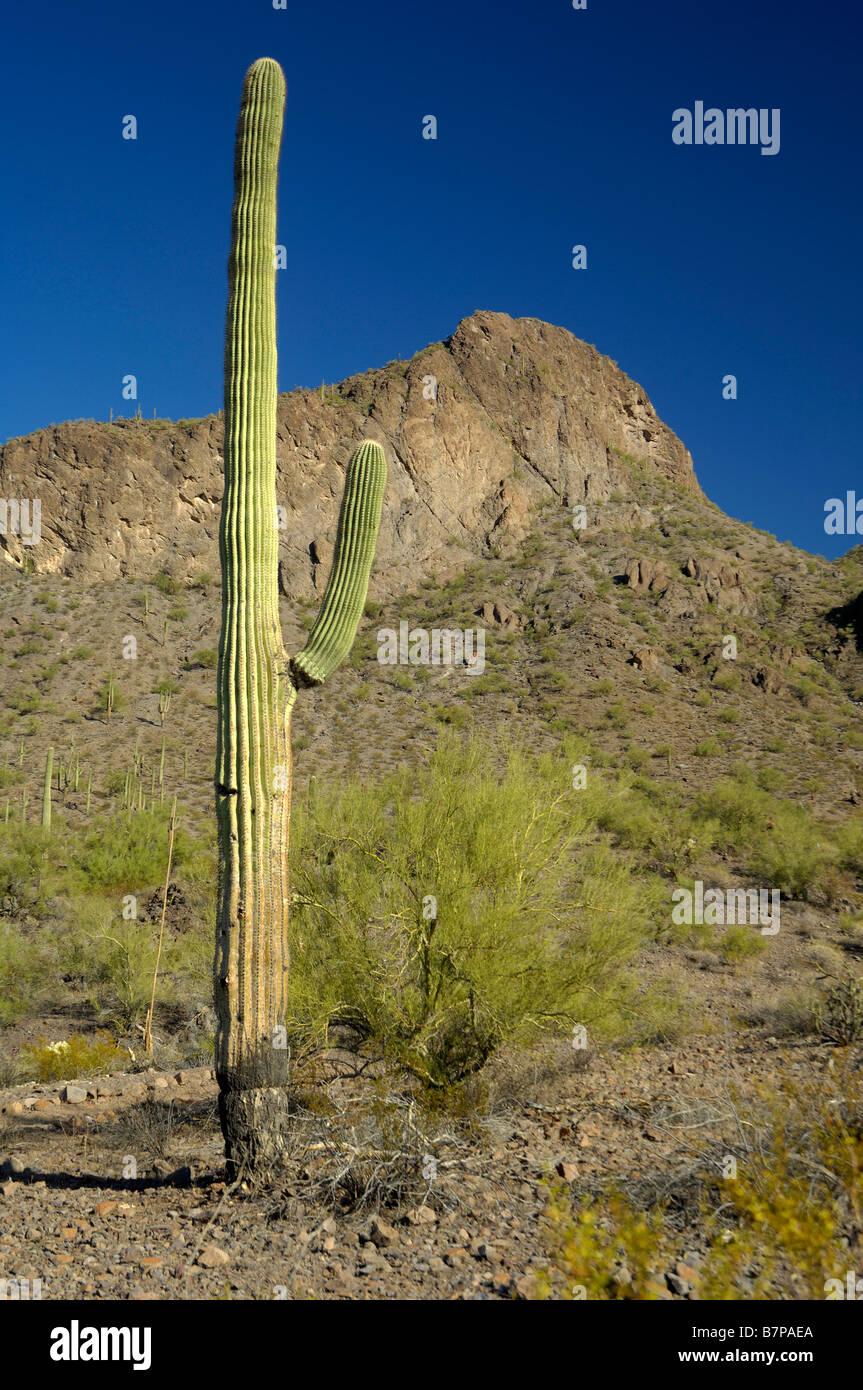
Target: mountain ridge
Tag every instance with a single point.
(479, 429)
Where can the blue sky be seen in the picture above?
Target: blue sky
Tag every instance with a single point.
(554, 128)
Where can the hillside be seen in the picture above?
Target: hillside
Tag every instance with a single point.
(478, 531)
(523, 413)
(707, 677)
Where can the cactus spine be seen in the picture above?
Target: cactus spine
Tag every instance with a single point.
(46, 793)
(257, 682)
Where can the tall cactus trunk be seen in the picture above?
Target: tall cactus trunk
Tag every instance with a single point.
(253, 774)
(257, 682)
(46, 791)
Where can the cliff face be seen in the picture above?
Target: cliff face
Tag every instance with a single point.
(505, 414)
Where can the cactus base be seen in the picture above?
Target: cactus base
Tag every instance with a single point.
(256, 1122)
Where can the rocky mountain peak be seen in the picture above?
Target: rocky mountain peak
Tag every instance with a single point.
(479, 429)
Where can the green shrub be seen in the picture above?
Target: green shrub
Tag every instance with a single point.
(207, 657)
(741, 942)
(22, 973)
(783, 845)
(707, 748)
(129, 850)
(456, 908)
(727, 680)
(75, 1056)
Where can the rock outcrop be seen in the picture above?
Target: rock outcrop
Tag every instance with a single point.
(478, 430)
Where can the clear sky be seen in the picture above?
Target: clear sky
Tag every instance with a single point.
(554, 129)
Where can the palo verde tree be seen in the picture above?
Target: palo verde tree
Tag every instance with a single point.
(257, 680)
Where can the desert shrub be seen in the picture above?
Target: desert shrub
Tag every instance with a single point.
(741, 943)
(707, 748)
(649, 819)
(22, 972)
(785, 1226)
(616, 714)
(456, 908)
(849, 839)
(454, 715)
(790, 1219)
(120, 970)
(839, 1017)
(76, 1056)
(494, 683)
(207, 657)
(607, 1250)
(129, 849)
(770, 779)
(782, 843)
(27, 873)
(110, 960)
(788, 1013)
(727, 680)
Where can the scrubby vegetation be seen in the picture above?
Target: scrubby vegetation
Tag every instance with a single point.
(782, 1212)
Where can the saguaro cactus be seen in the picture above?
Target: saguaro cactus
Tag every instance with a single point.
(46, 791)
(257, 681)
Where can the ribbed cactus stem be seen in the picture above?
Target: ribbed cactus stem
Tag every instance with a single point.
(257, 685)
(46, 793)
(254, 695)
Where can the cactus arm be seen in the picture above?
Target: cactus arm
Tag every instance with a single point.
(335, 628)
